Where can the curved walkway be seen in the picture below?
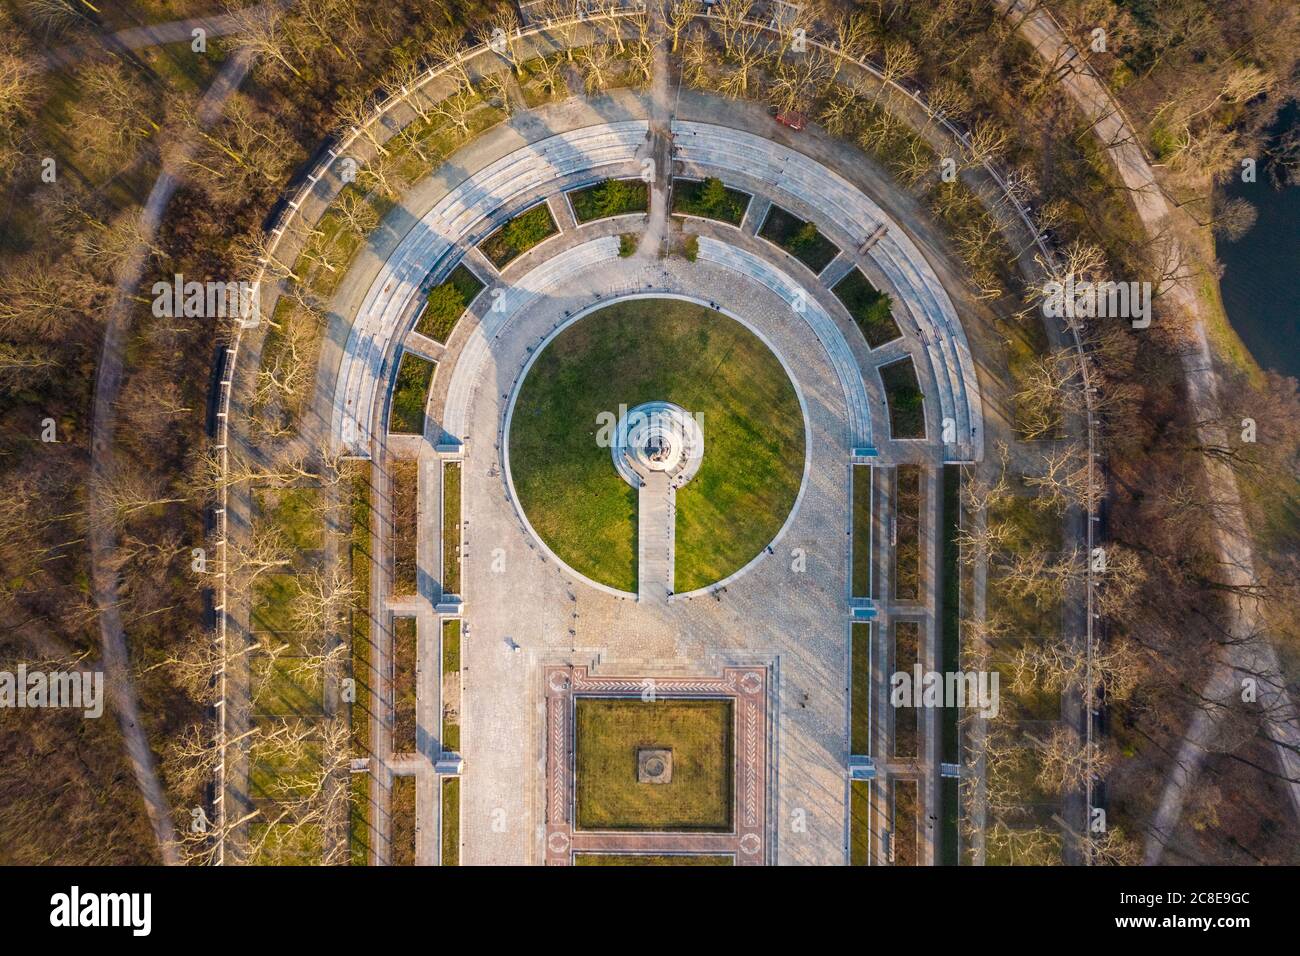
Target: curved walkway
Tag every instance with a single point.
(828, 333)
(840, 202)
(477, 206)
(551, 275)
(463, 217)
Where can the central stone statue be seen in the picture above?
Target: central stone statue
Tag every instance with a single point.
(657, 437)
(658, 449)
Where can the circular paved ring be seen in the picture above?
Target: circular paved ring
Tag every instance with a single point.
(558, 841)
(750, 844)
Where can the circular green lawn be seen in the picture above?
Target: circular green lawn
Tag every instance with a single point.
(636, 351)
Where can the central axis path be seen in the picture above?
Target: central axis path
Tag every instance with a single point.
(656, 512)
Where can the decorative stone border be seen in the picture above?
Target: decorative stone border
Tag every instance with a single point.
(746, 686)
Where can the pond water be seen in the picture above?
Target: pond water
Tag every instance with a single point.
(1261, 279)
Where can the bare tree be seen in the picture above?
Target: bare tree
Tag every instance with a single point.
(852, 32)
(502, 35)
(457, 110)
(322, 596)
(597, 64)
(496, 89)
(112, 117)
(259, 28)
(383, 177)
(1067, 762)
(356, 214)
(447, 50)
(801, 79)
(899, 63)
(984, 145)
(746, 51)
(680, 15)
(358, 113)
(243, 153)
(1066, 479)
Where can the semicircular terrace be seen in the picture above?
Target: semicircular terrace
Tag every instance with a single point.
(432, 247)
(478, 205)
(722, 149)
(560, 269)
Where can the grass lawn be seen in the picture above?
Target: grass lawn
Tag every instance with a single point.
(359, 819)
(799, 238)
(285, 845)
(709, 199)
(404, 638)
(439, 138)
(906, 401)
(336, 242)
(950, 616)
(402, 809)
(451, 821)
(292, 342)
(281, 687)
(862, 475)
(359, 555)
(273, 597)
(609, 197)
(451, 527)
(607, 735)
(650, 859)
(405, 492)
(1031, 528)
(534, 86)
(516, 236)
(860, 705)
(410, 392)
(859, 821)
(951, 797)
(1029, 847)
(295, 511)
(869, 307)
(704, 362)
(447, 302)
(450, 669)
(1034, 702)
(275, 775)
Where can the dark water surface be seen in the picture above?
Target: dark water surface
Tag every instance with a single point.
(1261, 279)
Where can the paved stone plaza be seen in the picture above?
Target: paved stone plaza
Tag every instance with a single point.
(532, 613)
(748, 841)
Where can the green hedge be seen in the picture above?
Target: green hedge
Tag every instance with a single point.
(609, 197)
(446, 303)
(518, 235)
(799, 238)
(870, 308)
(906, 401)
(451, 528)
(709, 199)
(410, 393)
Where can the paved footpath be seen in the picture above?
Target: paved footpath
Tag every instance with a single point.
(656, 511)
